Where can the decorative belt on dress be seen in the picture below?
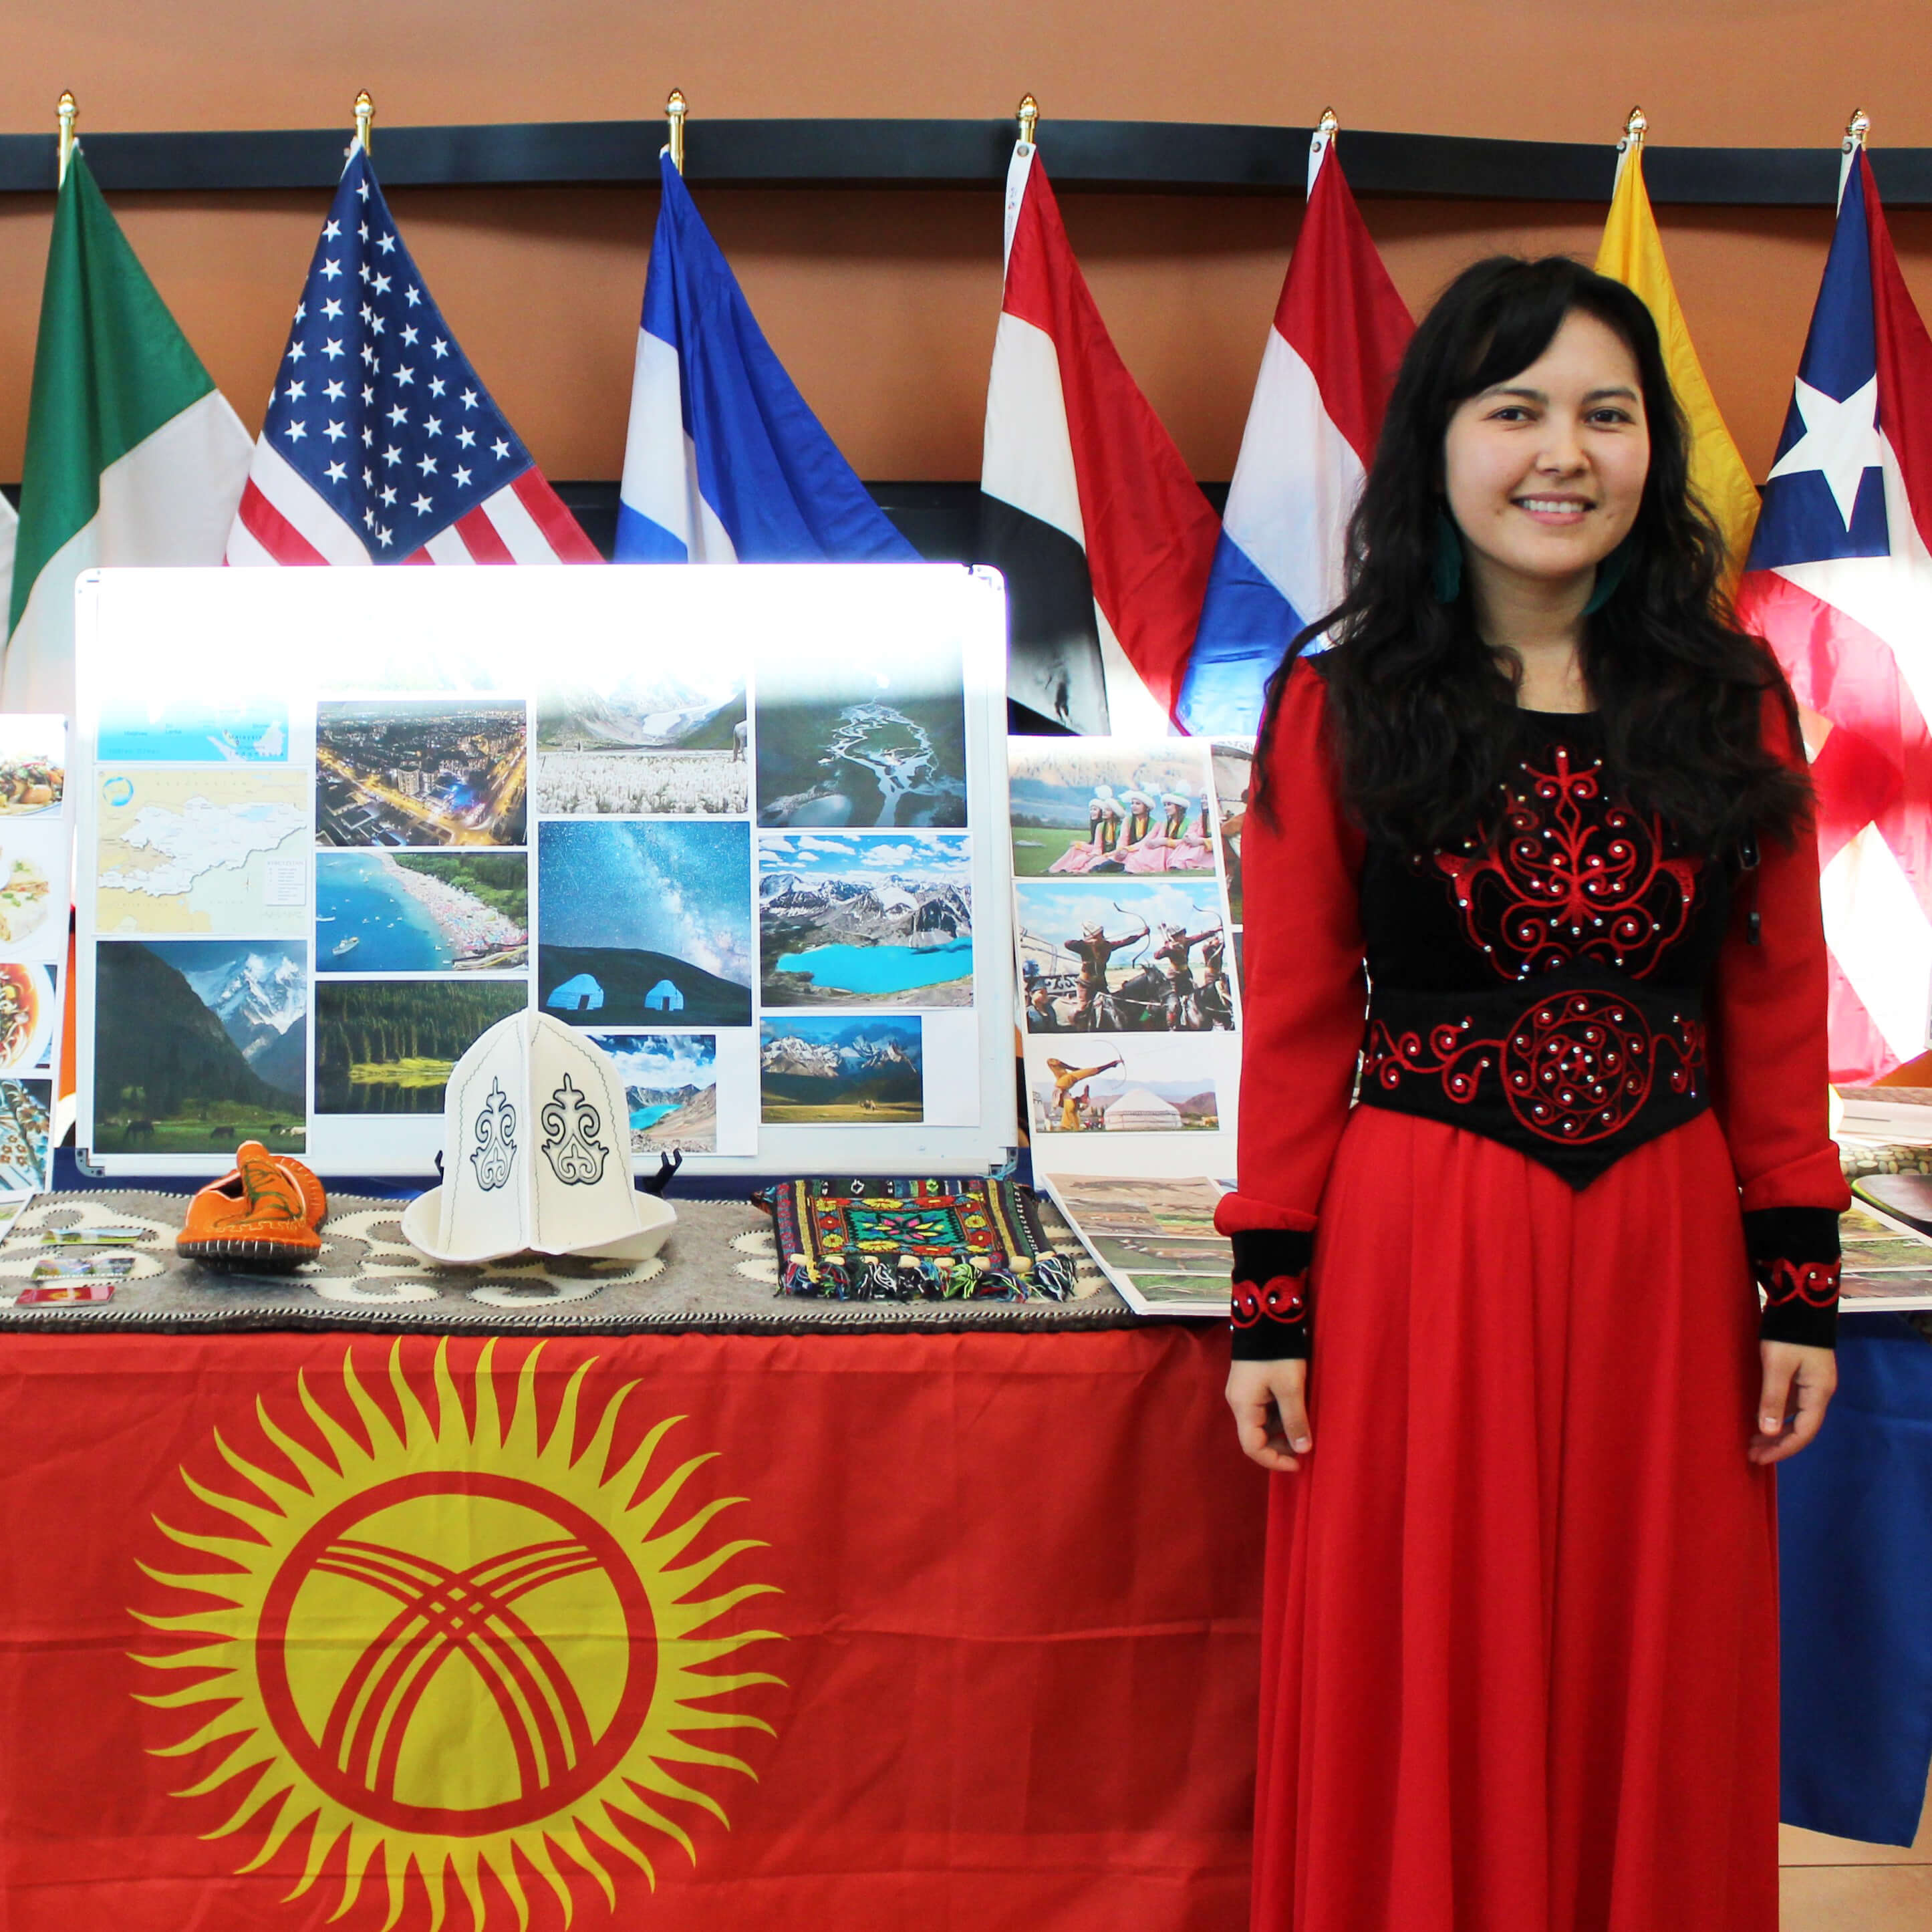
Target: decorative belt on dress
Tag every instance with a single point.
(1575, 1077)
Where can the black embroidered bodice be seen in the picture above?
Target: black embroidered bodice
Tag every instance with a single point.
(1544, 987)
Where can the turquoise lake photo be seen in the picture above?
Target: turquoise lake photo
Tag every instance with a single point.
(881, 969)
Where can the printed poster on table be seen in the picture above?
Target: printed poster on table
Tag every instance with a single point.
(1153, 1237)
(743, 828)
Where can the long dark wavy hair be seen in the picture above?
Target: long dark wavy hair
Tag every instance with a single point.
(1424, 713)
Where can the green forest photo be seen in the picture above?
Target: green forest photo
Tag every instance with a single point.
(388, 1046)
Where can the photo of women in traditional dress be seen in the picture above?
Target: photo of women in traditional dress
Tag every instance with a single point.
(1523, 1332)
(1081, 806)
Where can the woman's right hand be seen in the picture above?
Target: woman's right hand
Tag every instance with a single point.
(1269, 1402)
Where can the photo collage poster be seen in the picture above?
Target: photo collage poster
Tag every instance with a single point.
(36, 863)
(747, 870)
(1128, 981)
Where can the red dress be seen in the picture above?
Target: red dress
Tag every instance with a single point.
(1520, 1668)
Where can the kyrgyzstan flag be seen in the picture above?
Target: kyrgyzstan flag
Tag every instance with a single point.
(1086, 506)
(1839, 582)
(1339, 334)
(679, 1632)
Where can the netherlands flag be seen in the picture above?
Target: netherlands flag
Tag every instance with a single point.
(1839, 582)
(381, 444)
(1338, 334)
(725, 462)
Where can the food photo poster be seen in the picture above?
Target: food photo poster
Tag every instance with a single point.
(36, 861)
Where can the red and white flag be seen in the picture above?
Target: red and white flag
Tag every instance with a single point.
(382, 445)
(1104, 539)
(1839, 582)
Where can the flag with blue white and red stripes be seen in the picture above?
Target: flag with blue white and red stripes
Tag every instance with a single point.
(1839, 581)
(1339, 334)
(381, 444)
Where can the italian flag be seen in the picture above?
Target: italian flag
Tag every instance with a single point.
(133, 456)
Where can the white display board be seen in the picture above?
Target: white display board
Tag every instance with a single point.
(746, 827)
(1127, 934)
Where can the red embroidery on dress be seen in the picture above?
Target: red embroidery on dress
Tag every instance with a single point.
(1577, 1067)
(1281, 1300)
(1572, 876)
(1814, 1283)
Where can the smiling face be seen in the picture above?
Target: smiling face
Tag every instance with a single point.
(1545, 470)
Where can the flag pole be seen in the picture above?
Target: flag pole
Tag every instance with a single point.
(1029, 116)
(1636, 123)
(675, 109)
(1858, 130)
(1326, 129)
(65, 110)
(365, 112)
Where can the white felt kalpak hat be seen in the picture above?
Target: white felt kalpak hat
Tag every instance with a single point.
(535, 1154)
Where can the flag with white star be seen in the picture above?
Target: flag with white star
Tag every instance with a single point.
(1840, 582)
(382, 445)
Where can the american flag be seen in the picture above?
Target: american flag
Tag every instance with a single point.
(381, 445)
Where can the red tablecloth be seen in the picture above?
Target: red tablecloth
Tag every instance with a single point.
(472, 1631)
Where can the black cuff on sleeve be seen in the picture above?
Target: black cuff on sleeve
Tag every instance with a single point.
(1271, 1311)
(1794, 1254)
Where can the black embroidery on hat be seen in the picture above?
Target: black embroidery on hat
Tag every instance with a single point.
(573, 1143)
(495, 1152)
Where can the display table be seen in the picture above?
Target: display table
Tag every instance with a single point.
(501, 1616)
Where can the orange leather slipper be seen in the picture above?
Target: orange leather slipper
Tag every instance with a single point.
(266, 1214)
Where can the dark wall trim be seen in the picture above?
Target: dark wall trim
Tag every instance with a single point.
(1139, 156)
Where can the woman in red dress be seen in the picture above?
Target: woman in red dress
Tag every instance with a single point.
(1531, 872)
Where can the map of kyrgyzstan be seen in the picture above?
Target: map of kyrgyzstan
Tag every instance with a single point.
(214, 852)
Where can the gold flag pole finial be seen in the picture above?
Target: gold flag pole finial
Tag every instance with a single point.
(1328, 125)
(65, 110)
(1636, 126)
(1857, 129)
(365, 112)
(1029, 114)
(676, 108)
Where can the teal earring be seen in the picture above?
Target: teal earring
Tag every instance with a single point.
(1610, 574)
(1446, 573)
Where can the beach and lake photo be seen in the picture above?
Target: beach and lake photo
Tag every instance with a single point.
(1083, 806)
(876, 918)
(421, 912)
(423, 771)
(671, 742)
(645, 922)
(670, 1085)
(199, 1044)
(1127, 956)
(388, 1046)
(875, 736)
(815, 1069)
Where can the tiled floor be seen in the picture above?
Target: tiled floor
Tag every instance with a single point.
(1833, 1884)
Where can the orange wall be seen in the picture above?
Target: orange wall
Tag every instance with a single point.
(882, 304)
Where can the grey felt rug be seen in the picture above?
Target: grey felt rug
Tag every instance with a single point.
(716, 1272)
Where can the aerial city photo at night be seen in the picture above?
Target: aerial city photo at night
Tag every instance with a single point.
(420, 772)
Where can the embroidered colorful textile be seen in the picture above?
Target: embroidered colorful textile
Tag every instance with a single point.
(910, 1239)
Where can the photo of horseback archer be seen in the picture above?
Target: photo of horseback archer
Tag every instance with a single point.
(1150, 957)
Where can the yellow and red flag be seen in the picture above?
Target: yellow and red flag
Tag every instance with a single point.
(679, 1631)
(1632, 252)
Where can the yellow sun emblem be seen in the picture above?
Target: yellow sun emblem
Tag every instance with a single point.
(460, 1645)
